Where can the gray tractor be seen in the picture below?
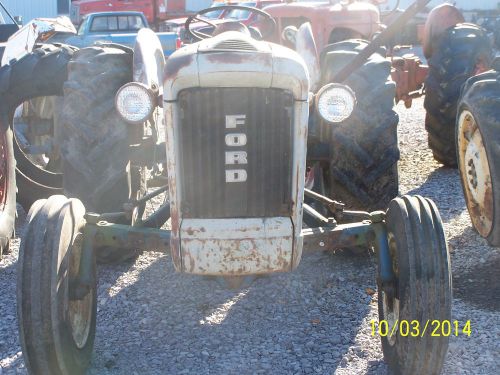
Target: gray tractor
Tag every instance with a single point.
(235, 111)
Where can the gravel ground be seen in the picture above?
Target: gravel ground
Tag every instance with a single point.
(315, 320)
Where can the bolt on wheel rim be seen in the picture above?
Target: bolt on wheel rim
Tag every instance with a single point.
(80, 311)
(475, 173)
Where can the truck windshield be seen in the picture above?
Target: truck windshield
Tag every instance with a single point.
(240, 14)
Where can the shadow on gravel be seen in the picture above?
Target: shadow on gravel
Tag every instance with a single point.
(167, 323)
(448, 198)
(9, 343)
(480, 284)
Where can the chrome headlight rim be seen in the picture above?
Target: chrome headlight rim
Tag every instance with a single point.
(150, 97)
(334, 86)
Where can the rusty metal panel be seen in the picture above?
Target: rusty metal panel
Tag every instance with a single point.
(233, 60)
(236, 246)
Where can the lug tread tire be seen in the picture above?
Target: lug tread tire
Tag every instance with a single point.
(93, 138)
(481, 96)
(363, 168)
(43, 264)
(40, 73)
(456, 53)
(424, 285)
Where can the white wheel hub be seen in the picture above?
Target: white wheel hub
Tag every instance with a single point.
(475, 173)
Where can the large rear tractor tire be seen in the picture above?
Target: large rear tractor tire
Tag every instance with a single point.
(457, 55)
(94, 140)
(364, 148)
(56, 331)
(478, 149)
(421, 294)
(39, 74)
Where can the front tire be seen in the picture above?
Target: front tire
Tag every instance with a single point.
(422, 290)
(478, 149)
(56, 332)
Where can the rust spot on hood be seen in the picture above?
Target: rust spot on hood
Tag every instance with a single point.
(175, 64)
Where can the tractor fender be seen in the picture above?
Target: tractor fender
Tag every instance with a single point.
(305, 46)
(149, 60)
(440, 18)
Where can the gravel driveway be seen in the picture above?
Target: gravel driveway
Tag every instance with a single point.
(315, 320)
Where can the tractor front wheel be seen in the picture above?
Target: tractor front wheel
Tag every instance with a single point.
(56, 330)
(421, 292)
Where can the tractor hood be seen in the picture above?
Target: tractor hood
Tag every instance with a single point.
(233, 59)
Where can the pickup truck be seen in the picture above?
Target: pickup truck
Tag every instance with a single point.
(115, 27)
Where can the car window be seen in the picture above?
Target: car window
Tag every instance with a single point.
(122, 23)
(135, 23)
(99, 24)
(214, 14)
(2, 21)
(241, 14)
(112, 23)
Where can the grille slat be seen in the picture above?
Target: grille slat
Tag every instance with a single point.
(268, 128)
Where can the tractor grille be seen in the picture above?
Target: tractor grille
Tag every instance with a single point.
(202, 136)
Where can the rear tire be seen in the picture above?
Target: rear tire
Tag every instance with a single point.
(363, 167)
(56, 333)
(422, 291)
(455, 58)
(478, 149)
(40, 73)
(94, 140)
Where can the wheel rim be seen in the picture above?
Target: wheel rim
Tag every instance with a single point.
(475, 173)
(80, 311)
(4, 170)
(390, 301)
(24, 140)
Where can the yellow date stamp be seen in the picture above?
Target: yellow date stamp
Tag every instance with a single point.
(415, 328)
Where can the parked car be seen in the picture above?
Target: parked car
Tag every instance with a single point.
(114, 27)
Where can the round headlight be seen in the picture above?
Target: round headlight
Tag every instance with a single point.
(135, 102)
(335, 102)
